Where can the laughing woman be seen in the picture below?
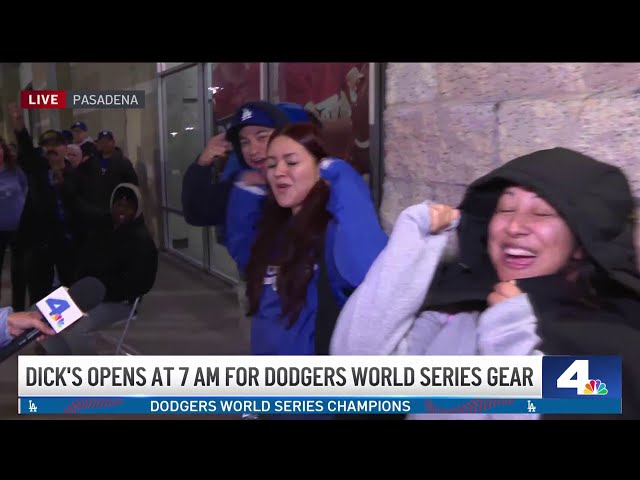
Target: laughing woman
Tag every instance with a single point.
(545, 265)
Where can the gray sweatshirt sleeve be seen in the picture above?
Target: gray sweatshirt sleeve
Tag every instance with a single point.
(509, 328)
(379, 316)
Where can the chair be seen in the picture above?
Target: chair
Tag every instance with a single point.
(108, 340)
(132, 315)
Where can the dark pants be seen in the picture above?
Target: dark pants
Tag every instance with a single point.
(39, 272)
(33, 269)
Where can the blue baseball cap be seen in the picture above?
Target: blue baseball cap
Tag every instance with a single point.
(258, 113)
(263, 114)
(105, 134)
(296, 113)
(81, 125)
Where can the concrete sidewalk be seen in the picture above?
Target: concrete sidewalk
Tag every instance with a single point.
(188, 312)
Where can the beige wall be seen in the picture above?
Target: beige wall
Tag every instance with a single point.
(446, 124)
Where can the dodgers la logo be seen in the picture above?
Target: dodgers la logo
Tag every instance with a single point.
(271, 277)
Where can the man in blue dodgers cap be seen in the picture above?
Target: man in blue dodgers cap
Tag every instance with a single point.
(204, 202)
(80, 134)
(295, 114)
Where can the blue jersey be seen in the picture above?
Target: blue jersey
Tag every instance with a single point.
(353, 240)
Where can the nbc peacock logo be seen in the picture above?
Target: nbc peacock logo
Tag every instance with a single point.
(56, 317)
(595, 387)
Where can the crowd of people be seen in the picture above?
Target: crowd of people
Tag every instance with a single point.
(531, 262)
(72, 209)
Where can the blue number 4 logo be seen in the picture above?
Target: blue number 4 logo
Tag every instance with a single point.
(57, 306)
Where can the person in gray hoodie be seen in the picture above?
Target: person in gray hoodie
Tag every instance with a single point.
(542, 264)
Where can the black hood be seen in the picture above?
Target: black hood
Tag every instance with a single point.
(596, 202)
(254, 113)
(593, 197)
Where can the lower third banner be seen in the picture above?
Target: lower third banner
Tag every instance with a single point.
(312, 405)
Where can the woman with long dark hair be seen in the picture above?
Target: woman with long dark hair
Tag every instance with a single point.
(319, 232)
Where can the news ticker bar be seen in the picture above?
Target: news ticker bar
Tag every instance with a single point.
(60, 99)
(313, 405)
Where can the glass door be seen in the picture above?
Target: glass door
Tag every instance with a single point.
(227, 85)
(183, 133)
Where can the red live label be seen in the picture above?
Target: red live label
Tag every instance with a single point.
(43, 99)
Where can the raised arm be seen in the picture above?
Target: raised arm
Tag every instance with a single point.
(379, 316)
(204, 203)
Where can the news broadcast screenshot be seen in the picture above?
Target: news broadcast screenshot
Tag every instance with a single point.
(319, 241)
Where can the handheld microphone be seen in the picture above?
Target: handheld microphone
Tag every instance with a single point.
(85, 295)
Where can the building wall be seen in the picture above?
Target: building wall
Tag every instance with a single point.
(446, 124)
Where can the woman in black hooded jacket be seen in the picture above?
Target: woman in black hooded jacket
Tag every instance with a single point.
(544, 264)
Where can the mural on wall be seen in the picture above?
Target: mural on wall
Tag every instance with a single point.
(338, 95)
(232, 84)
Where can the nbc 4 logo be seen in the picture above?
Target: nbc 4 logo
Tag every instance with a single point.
(56, 317)
(595, 387)
(577, 376)
(57, 306)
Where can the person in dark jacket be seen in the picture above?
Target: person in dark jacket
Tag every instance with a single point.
(98, 175)
(80, 136)
(49, 224)
(542, 265)
(204, 202)
(125, 261)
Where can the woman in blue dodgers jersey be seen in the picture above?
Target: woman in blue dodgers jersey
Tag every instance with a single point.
(318, 212)
(545, 265)
(247, 195)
